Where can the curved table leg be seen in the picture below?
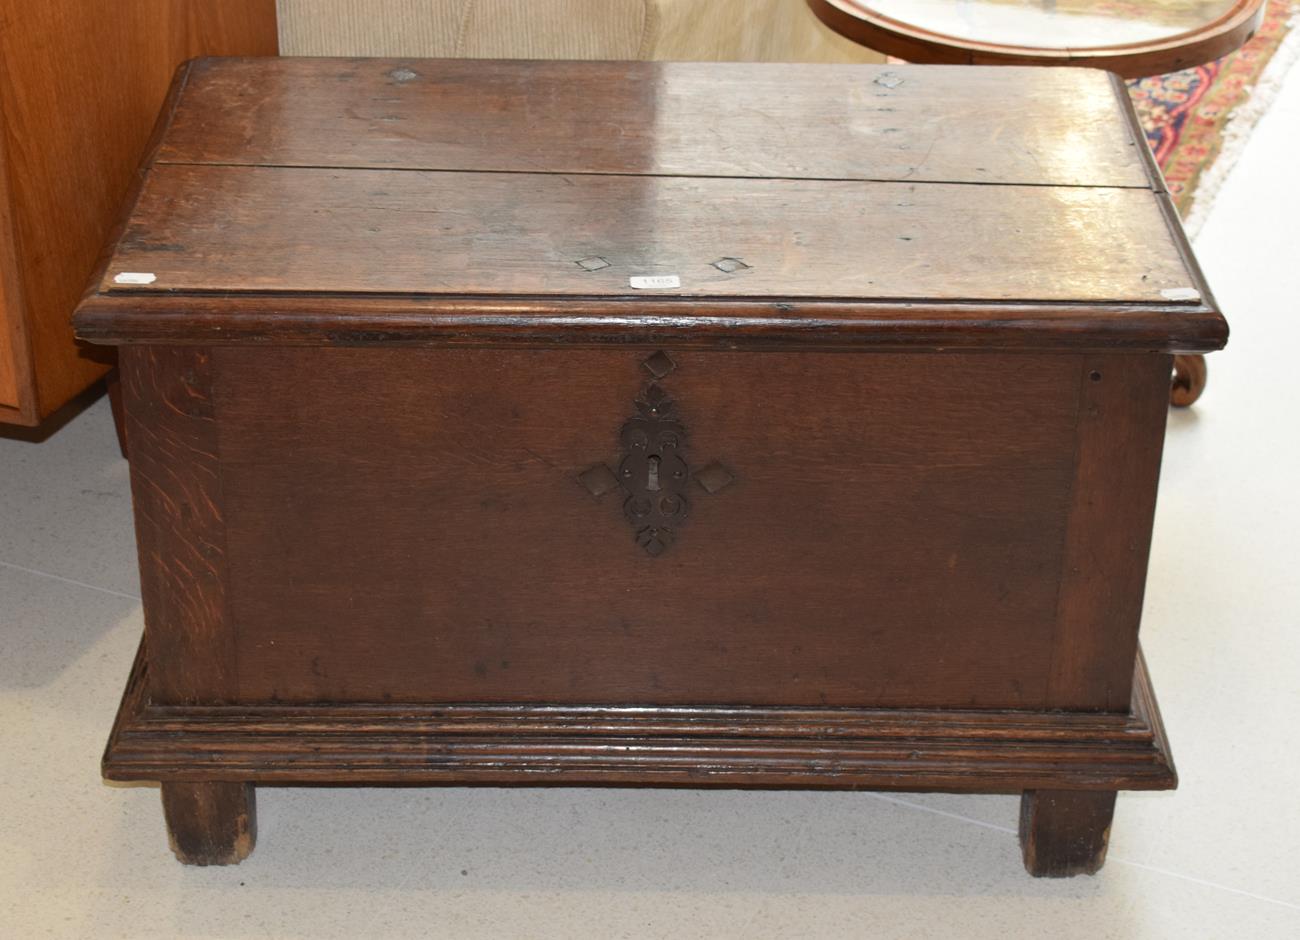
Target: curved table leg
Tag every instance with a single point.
(1189, 380)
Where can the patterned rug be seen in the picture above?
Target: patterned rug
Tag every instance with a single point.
(1194, 117)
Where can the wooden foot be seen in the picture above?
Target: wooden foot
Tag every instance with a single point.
(210, 823)
(1064, 832)
(114, 385)
(1189, 380)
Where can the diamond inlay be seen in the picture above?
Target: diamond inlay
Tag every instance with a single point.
(730, 265)
(655, 541)
(599, 480)
(713, 477)
(594, 263)
(660, 364)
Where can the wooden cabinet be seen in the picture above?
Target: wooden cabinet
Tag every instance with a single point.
(659, 424)
(80, 86)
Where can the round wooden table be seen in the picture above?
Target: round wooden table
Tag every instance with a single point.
(1134, 38)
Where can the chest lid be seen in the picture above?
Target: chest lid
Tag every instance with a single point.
(369, 200)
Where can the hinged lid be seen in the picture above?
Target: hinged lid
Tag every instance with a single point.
(366, 200)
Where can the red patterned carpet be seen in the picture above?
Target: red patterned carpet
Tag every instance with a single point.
(1184, 113)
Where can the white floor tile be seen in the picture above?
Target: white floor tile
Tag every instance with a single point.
(584, 863)
(65, 504)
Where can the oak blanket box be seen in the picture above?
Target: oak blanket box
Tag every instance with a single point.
(655, 424)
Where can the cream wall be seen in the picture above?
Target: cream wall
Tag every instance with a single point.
(717, 30)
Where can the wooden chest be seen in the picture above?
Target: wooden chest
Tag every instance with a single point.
(628, 423)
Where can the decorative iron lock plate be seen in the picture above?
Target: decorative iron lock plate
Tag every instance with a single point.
(653, 473)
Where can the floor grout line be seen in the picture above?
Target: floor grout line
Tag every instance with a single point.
(74, 581)
(942, 812)
(1208, 884)
(1110, 858)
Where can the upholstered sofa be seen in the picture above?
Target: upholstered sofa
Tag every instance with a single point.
(716, 30)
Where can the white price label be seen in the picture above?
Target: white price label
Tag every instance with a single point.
(657, 281)
(135, 277)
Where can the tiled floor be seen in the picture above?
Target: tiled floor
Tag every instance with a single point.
(1220, 858)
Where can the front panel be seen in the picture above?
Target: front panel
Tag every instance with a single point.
(423, 525)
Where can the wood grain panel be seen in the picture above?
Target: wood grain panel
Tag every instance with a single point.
(1031, 126)
(396, 321)
(202, 228)
(409, 525)
(1123, 408)
(15, 353)
(82, 82)
(990, 751)
(1065, 832)
(180, 530)
(210, 823)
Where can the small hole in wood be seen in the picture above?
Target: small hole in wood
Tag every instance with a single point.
(1095, 375)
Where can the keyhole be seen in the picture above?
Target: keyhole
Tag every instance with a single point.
(652, 481)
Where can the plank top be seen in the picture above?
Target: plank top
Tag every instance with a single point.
(337, 231)
(567, 181)
(946, 124)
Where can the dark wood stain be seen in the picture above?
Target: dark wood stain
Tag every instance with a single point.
(1065, 832)
(371, 320)
(362, 230)
(1119, 433)
(179, 521)
(391, 345)
(311, 225)
(987, 751)
(658, 118)
(423, 527)
(210, 823)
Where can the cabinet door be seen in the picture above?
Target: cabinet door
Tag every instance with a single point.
(81, 87)
(13, 346)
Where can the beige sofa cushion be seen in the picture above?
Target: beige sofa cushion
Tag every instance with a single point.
(746, 31)
(554, 29)
(398, 28)
(711, 30)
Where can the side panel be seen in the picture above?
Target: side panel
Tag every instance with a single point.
(176, 489)
(1124, 402)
